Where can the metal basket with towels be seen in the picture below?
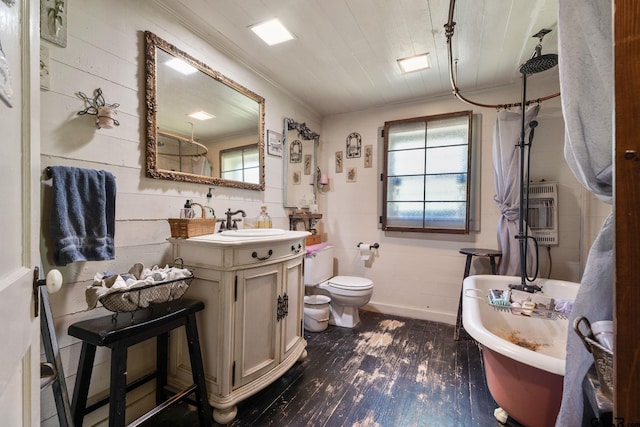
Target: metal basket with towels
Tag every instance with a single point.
(602, 357)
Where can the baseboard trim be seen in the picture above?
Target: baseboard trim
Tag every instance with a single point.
(412, 312)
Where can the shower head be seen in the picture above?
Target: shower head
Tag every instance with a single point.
(539, 62)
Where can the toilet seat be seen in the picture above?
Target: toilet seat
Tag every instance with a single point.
(351, 283)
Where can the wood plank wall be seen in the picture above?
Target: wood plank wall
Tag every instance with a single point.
(626, 20)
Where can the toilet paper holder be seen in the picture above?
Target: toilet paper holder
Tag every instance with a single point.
(374, 246)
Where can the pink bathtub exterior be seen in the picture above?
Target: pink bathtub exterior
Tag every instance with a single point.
(526, 384)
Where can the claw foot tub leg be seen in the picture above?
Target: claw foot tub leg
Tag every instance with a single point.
(500, 415)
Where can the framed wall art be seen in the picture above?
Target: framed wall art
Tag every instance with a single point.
(354, 145)
(274, 143)
(339, 161)
(53, 21)
(352, 174)
(295, 152)
(368, 156)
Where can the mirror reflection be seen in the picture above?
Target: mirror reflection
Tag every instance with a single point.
(300, 164)
(201, 126)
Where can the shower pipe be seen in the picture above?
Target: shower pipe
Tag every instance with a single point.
(449, 30)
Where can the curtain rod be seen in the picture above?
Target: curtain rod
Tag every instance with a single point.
(449, 30)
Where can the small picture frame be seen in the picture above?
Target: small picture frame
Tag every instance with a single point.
(295, 152)
(368, 156)
(296, 178)
(307, 164)
(354, 145)
(53, 21)
(274, 143)
(339, 161)
(352, 174)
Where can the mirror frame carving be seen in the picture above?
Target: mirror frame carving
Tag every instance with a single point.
(306, 134)
(153, 42)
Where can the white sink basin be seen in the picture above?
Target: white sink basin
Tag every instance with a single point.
(253, 232)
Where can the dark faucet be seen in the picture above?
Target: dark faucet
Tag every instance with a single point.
(230, 222)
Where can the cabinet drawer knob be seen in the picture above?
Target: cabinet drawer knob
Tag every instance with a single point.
(296, 250)
(255, 255)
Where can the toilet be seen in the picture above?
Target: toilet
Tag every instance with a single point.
(347, 293)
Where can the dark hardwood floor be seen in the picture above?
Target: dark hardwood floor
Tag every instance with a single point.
(388, 372)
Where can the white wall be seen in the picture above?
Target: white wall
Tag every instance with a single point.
(418, 274)
(105, 49)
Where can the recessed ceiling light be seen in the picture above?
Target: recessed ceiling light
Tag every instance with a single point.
(414, 63)
(272, 32)
(201, 115)
(182, 66)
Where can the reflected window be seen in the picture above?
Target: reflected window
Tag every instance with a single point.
(240, 164)
(426, 177)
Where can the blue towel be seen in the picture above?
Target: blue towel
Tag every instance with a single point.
(82, 223)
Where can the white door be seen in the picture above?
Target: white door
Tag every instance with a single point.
(19, 212)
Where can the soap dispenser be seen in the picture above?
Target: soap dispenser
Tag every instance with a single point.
(187, 211)
(263, 220)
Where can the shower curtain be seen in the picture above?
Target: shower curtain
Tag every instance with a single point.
(586, 85)
(506, 159)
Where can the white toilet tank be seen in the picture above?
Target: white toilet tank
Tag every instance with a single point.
(318, 267)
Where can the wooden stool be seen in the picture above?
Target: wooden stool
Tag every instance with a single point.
(470, 253)
(127, 330)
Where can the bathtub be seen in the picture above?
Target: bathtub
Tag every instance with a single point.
(525, 382)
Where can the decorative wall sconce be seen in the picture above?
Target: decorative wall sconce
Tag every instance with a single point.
(105, 113)
(322, 179)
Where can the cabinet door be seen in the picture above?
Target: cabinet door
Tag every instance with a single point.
(256, 325)
(207, 287)
(293, 288)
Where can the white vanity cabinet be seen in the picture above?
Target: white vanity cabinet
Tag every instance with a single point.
(251, 330)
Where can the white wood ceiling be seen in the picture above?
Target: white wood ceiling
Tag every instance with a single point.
(344, 55)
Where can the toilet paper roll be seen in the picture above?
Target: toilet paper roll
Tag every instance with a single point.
(365, 252)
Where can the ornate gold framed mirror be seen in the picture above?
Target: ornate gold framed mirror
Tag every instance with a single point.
(201, 127)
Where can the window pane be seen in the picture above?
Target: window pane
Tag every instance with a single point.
(405, 136)
(233, 175)
(405, 188)
(409, 162)
(231, 160)
(451, 131)
(405, 214)
(447, 160)
(251, 158)
(446, 187)
(252, 175)
(445, 214)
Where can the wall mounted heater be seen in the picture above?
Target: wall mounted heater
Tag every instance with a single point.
(542, 216)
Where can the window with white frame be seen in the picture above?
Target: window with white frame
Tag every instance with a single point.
(427, 169)
(241, 164)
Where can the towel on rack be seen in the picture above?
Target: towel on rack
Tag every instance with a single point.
(82, 220)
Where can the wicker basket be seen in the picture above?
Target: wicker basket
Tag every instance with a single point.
(128, 300)
(602, 357)
(190, 227)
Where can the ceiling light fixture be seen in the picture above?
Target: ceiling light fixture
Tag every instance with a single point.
(201, 115)
(181, 66)
(272, 32)
(414, 63)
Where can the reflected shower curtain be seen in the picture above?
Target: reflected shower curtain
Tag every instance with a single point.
(586, 85)
(506, 160)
